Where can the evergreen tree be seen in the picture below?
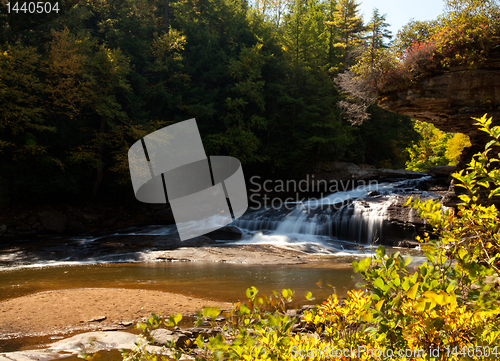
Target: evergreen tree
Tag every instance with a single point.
(377, 31)
(349, 23)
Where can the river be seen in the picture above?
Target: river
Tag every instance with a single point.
(335, 230)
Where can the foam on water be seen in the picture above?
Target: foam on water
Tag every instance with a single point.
(356, 215)
(343, 223)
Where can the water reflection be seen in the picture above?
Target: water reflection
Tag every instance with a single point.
(218, 281)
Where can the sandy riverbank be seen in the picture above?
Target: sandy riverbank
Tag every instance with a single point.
(65, 310)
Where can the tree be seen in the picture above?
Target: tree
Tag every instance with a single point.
(24, 156)
(271, 10)
(245, 107)
(431, 150)
(455, 146)
(415, 31)
(471, 11)
(377, 32)
(305, 33)
(373, 52)
(350, 26)
(84, 79)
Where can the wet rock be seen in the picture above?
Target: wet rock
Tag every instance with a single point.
(163, 337)
(113, 328)
(442, 171)
(173, 241)
(196, 242)
(229, 233)
(96, 341)
(203, 331)
(408, 244)
(291, 313)
(31, 355)
(158, 333)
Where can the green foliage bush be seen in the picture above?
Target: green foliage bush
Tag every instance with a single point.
(444, 309)
(435, 147)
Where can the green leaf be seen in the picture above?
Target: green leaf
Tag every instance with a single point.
(413, 291)
(406, 284)
(462, 253)
(407, 261)
(362, 265)
(177, 318)
(244, 309)
(381, 251)
(251, 292)
(211, 312)
(379, 283)
(199, 342)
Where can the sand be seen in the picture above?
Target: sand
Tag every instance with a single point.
(55, 312)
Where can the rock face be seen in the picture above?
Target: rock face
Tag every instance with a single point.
(449, 100)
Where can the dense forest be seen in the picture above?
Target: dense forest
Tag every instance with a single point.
(80, 85)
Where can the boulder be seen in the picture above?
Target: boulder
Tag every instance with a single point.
(228, 233)
(164, 337)
(76, 226)
(53, 221)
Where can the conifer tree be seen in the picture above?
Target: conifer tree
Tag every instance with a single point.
(349, 23)
(377, 31)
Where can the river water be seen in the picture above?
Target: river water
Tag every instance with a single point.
(344, 224)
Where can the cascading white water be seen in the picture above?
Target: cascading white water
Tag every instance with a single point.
(362, 221)
(357, 215)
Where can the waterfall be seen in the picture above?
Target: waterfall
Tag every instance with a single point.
(356, 216)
